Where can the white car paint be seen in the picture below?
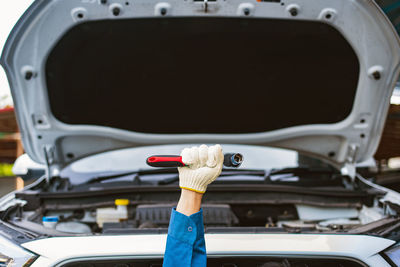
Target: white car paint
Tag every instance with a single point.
(363, 248)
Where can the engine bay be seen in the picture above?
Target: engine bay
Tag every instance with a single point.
(217, 217)
(228, 208)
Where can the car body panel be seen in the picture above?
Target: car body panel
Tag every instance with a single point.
(358, 247)
(354, 139)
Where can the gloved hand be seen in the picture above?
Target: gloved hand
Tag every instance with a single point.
(205, 165)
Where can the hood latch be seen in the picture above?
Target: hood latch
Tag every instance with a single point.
(207, 5)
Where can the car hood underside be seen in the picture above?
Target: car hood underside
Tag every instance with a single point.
(315, 76)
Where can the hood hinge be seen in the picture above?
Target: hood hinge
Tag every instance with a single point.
(349, 167)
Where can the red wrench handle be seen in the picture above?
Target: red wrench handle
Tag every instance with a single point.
(165, 161)
(230, 160)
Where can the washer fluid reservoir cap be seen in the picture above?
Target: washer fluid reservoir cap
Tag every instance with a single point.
(122, 202)
(50, 219)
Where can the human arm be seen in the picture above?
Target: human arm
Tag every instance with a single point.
(189, 202)
(185, 241)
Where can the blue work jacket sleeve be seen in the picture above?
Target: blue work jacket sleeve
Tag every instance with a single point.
(185, 242)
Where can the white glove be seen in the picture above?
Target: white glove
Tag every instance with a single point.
(204, 166)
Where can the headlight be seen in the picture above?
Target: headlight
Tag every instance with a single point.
(13, 255)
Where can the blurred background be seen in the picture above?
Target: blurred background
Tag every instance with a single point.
(10, 141)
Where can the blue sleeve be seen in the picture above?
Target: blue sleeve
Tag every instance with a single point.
(185, 242)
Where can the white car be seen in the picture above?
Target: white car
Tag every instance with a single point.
(300, 87)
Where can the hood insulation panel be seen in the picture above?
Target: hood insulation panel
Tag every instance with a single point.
(201, 75)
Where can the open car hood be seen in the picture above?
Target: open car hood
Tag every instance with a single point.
(310, 75)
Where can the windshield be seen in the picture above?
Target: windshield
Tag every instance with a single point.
(130, 159)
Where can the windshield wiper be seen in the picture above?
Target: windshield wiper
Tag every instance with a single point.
(225, 172)
(302, 171)
(266, 174)
(136, 173)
